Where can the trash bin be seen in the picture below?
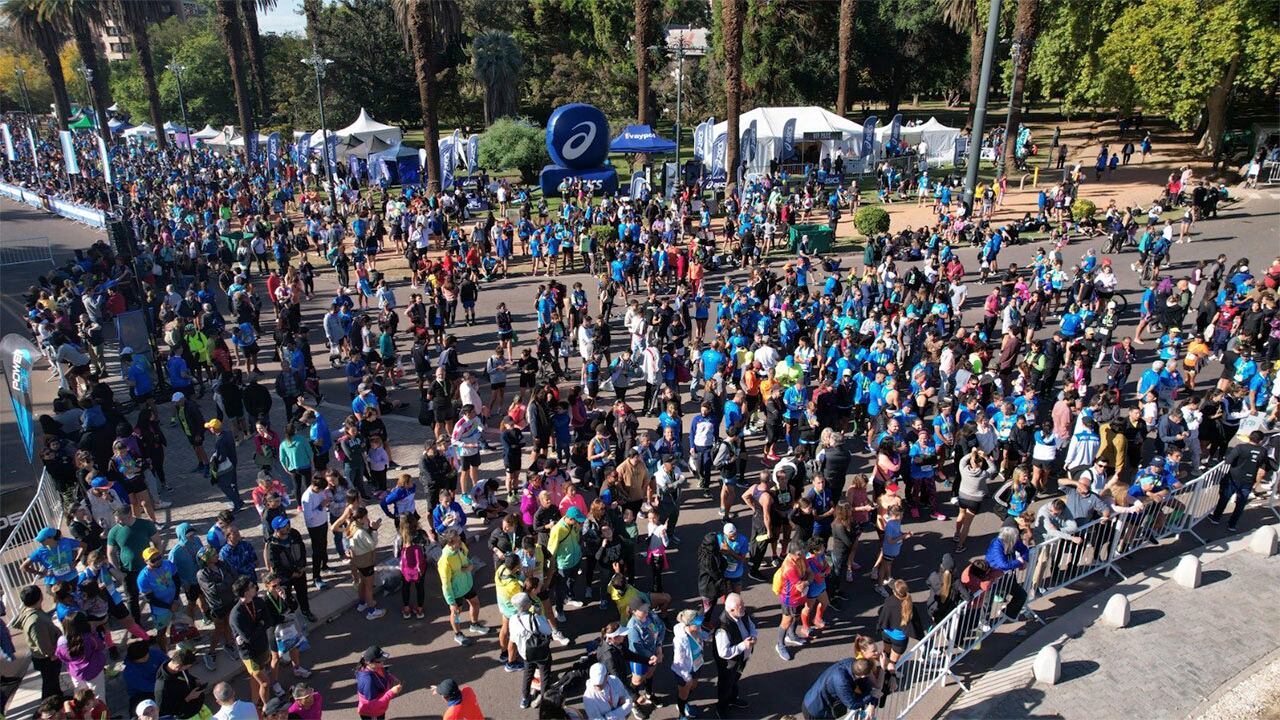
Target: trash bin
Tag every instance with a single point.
(821, 237)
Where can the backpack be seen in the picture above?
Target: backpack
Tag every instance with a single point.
(711, 561)
(777, 581)
(538, 648)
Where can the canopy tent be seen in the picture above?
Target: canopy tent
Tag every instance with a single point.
(939, 140)
(143, 130)
(221, 139)
(401, 162)
(817, 134)
(84, 122)
(207, 133)
(641, 139)
(117, 125)
(173, 128)
(366, 127)
(238, 141)
(369, 147)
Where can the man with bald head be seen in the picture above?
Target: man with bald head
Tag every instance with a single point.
(735, 639)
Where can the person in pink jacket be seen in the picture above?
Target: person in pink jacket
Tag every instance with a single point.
(375, 687)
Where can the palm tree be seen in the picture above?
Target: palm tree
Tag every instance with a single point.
(731, 24)
(257, 54)
(134, 15)
(1026, 27)
(962, 16)
(428, 27)
(640, 47)
(80, 18)
(25, 18)
(848, 9)
(496, 62)
(229, 27)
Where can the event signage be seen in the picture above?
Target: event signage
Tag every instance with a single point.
(35, 157)
(69, 159)
(331, 153)
(106, 161)
(273, 150)
(8, 142)
(718, 151)
(895, 130)
(789, 139)
(473, 153)
(448, 161)
(699, 137)
(251, 146)
(869, 137)
(638, 186)
(18, 354)
(578, 143)
(749, 143)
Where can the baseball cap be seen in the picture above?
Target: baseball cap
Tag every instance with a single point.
(126, 350)
(177, 396)
(374, 653)
(46, 534)
(730, 529)
(576, 515)
(150, 553)
(448, 689)
(620, 632)
(144, 706)
(598, 674)
(1157, 460)
(279, 522)
(100, 482)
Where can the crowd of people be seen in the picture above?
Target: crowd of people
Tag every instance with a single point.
(826, 404)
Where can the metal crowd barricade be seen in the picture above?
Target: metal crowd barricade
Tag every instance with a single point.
(45, 510)
(23, 251)
(924, 666)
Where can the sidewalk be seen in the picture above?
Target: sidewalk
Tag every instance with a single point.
(1175, 654)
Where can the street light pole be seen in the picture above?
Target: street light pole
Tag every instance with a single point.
(1010, 134)
(21, 74)
(318, 64)
(679, 92)
(980, 112)
(177, 69)
(104, 130)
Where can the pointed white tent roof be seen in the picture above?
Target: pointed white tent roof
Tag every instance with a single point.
(206, 133)
(172, 127)
(809, 119)
(239, 140)
(139, 131)
(366, 127)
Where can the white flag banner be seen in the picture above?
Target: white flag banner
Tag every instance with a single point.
(8, 141)
(31, 138)
(106, 161)
(69, 159)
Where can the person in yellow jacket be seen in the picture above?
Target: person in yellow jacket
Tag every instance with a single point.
(458, 586)
(201, 348)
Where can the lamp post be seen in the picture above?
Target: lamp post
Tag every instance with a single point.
(177, 69)
(21, 74)
(100, 119)
(319, 64)
(980, 112)
(1010, 134)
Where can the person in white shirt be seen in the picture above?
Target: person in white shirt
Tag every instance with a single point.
(735, 640)
(315, 503)
(766, 355)
(525, 625)
(605, 698)
(230, 707)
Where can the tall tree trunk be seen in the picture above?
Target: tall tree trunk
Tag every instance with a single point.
(1215, 111)
(257, 55)
(99, 98)
(58, 83)
(1025, 29)
(233, 41)
(975, 61)
(731, 23)
(640, 48)
(422, 36)
(137, 26)
(311, 10)
(848, 10)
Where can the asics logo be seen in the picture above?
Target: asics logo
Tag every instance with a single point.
(579, 141)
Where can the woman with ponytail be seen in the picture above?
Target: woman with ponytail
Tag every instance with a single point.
(900, 619)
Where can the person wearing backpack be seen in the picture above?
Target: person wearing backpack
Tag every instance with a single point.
(711, 565)
(531, 634)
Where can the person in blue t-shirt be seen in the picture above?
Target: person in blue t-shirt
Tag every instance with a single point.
(138, 374)
(734, 546)
(55, 557)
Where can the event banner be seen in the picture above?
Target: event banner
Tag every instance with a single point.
(35, 156)
(8, 141)
(448, 160)
(302, 149)
(251, 146)
(895, 129)
(718, 151)
(459, 149)
(788, 139)
(869, 137)
(749, 143)
(18, 355)
(638, 186)
(473, 153)
(331, 153)
(700, 135)
(69, 159)
(106, 161)
(273, 150)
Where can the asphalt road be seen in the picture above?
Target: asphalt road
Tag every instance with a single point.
(422, 650)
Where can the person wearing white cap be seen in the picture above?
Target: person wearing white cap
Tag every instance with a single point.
(605, 697)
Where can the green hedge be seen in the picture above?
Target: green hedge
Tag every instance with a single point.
(871, 220)
(1083, 209)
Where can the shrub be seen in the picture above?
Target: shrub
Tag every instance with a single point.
(511, 144)
(603, 235)
(1083, 209)
(871, 220)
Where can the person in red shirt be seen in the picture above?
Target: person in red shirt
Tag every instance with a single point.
(460, 701)
(792, 591)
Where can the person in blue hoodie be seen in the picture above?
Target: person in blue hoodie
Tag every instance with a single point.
(402, 500)
(185, 556)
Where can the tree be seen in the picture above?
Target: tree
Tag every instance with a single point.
(134, 15)
(640, 47)
(80, 18)
(964, 16)
(1025, 30)
(848, 10)
(731, 25)
(511, 144)
(253, 46)
(900, 37)
(429, 25)
(25, 17)
(343, 30)
(233, 43)
(496, 62)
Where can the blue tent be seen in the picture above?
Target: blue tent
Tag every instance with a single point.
(641, 139)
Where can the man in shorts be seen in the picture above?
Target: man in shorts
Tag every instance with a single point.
(457, 581)
(251, 621)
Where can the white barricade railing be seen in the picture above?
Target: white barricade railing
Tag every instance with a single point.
(22, 251)
(1051, 566)
(45, 510)
(72, 211)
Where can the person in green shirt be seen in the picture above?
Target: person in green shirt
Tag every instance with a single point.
(565, 545)
(125, 543)
(296, 457)
(458, 586)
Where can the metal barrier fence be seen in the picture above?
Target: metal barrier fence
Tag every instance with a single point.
(45, 510)
(1051, 566)
(25, 250)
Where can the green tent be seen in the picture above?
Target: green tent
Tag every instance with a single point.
(81, 123)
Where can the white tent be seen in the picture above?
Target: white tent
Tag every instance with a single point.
(810, 120)
(221, 140)
(238, 141)
(366, 127)
(207, 133)
(139, 131)
(172, 128)
(940, 140)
